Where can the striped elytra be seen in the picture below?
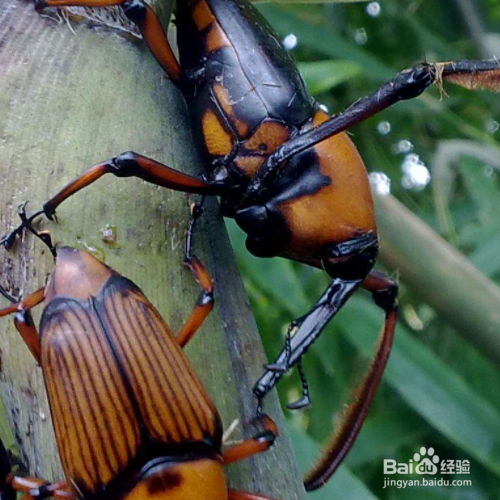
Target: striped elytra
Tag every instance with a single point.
(121, 391)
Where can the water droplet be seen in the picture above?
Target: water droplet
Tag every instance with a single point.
(360, 36)
(412, 317)
(373, 9)
(491, 126)
(109, 235)
(381, 183)
(488, 171)
(416, 175)
(98, 253)
(290, 41)
(384, 128)
(404, 146)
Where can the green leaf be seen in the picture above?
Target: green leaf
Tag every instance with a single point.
(344, 484)
(381, 436)
(271, 275)
(487, 257)
(326, 41)
(430, 387)
(322, 76)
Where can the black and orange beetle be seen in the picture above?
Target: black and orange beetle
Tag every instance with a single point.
(132, 420)
(284, 170)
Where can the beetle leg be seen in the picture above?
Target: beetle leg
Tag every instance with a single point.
(10, 484)
(8, 240)
(284, 364)
(6, 490)
(205, 301)
(29, 302)
(243, 495)
(305, 400)
(307, 330)
(23, 320)
(408, 84)
(256, 444)
(7, 295)
(384, 292)
(145, 19)
(128, 164)
(36, 488)
(44, 236)
(26, 327)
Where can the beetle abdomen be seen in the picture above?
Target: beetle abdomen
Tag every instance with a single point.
(120, 388)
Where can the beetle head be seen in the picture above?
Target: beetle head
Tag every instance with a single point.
(77, 275)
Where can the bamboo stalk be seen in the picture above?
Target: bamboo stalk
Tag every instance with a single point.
(67, 101)
(441, 275)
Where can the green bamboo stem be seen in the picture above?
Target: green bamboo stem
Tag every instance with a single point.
(441, 275)
(67, 101)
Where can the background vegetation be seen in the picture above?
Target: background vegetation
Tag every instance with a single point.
(441, 386)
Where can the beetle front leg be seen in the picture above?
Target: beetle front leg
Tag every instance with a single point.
(384, 292)
(408, 84)
(27, 223)
(146, 20)
(128, 164)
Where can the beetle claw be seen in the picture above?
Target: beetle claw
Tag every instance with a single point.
(303, 402)
(8, 240)
(40, 5)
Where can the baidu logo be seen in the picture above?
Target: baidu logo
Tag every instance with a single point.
(426, 461)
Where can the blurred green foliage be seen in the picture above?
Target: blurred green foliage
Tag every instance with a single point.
(439, 390)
